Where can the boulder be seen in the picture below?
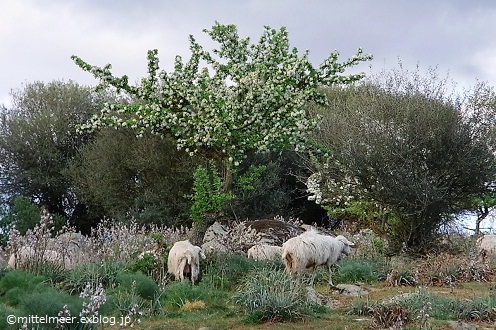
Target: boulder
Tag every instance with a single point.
(458, 325)
(72, 248)
(319, 298)
(274, 232)
(269, 231)
(213, 237)
(351, 290)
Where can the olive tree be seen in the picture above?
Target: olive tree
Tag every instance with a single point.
(37, 141)
(224, 103)
(145, 178)
(404, 153)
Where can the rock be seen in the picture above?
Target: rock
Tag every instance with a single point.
(351, 290)
(214, 231)
(319, 298)
(274, 232)
(401, 298)
(211, 240)
(72, 247)
(458, 325)
(3, 258)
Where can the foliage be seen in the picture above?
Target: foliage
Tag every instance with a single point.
(224, 271)
(352, 270)
(104, 273)
(23, 214)
(124, 177)
(16, 281)
(250, 97)
(446, 269)
(264, 184)
(177, 294)
(209, 195)
(401, 144)
(145, 264)
(37, 141)
(145, 287)
(247, 180)
(422, 306)
(49, 302)
(270, 294)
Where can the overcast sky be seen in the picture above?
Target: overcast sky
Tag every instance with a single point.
(38, 37)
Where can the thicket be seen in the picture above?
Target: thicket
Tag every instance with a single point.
(406, 156)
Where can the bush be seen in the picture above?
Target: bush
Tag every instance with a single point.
(145, 287)
(105, 273)
(269, 294)
(49, 302)
(6, 311)
(177, 294)
(145, 264)
(422, 306)
(350, 270)
(224, 271)
(17, 282)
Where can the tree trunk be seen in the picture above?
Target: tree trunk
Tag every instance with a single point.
(482, 214)
(228, 176)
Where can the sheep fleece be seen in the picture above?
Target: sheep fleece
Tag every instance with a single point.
(264, 252)
(487, 243)
(310, 250)
(184, 259)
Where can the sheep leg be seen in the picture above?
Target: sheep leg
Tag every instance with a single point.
(180, 270)
(330, 276)
(314, 274)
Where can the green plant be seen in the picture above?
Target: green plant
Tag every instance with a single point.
(269, 294)
(350, 270)
(17, 282)
(146, 264)
(209, 195)
(247, 180)
(5, 311)
(105, 273)
(225, 103)
(49, 302)
(177, 294)
(224, 271)
(144, 286)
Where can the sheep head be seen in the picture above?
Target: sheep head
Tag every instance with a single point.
(347, 245)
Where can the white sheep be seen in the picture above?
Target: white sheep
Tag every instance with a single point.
(184, 261)
(26, 253)
(264, 252)
(312, 249)
(486, 245)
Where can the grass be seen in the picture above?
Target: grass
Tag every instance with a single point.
(238, 293)
(190, 307)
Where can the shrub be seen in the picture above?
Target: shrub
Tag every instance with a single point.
(354, 271)
(17, 282)
(145, 264)
(448, 269)
(105, 273)
(145, 287)
(224, 271)
(5, 311)
(269, 294)
(49, 302)
(177, 294)
(422, 306)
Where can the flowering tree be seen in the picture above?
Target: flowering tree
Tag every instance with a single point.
(245, 97)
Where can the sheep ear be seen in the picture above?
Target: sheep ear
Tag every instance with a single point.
(345, 240)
